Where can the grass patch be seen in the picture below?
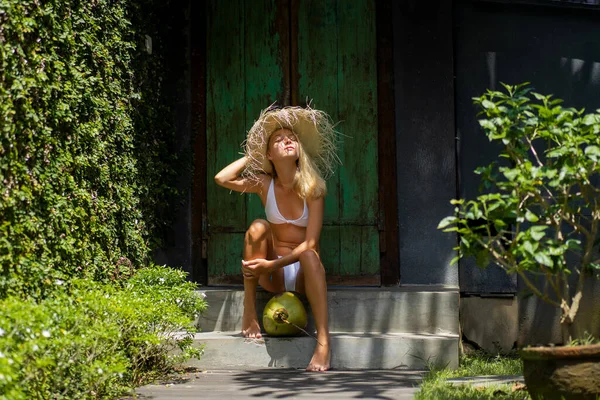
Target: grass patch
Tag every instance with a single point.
(435, 385)
(586, 340)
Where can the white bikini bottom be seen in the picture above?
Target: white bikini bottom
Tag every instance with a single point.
(290, 273)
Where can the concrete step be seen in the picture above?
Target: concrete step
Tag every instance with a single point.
(229, 350)
(422, 309)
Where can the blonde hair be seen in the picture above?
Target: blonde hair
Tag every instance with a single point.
(308, 182)
(317, 139)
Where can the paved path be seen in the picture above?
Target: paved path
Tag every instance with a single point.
(286, 384)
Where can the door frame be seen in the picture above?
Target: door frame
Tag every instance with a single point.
(387, 194)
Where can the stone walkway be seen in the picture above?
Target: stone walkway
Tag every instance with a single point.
(286, 384)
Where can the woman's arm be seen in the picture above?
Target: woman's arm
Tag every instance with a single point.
(311, 242)
(313, 232)
(230, 178)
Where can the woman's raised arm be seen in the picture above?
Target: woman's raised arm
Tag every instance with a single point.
(230, 177)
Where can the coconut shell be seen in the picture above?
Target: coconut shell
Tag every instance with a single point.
(281, 308)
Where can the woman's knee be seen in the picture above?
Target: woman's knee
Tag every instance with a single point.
(258, 230)
(310, 259)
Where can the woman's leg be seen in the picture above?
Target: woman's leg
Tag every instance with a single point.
(311, 280)
(258, 243)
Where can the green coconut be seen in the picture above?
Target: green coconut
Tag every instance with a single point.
(284, 315)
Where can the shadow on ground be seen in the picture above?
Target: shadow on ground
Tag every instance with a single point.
(282, 384)
(274, 383)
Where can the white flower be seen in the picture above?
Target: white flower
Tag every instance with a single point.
(59, 282)
(1, 354)
(2, 332)
(35, 347)
(203, 295)
(46, 334)
(162, 280)
(100, 370)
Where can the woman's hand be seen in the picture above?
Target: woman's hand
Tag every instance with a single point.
(230, 178)
(254, 268)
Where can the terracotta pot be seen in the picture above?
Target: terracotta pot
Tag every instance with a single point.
(564, 372)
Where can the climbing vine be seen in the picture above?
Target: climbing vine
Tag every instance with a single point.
(84, 174)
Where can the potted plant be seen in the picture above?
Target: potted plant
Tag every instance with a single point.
(538, 216)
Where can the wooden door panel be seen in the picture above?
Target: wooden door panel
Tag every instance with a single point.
(225, 118)
(329, 250)
(357, 104)
(225, 114)
(248, 68)
(266, 62)
(225, 256)
(318, 74)
(338, 71)
(247, 54)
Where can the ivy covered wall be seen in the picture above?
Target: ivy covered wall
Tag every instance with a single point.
(86, 140)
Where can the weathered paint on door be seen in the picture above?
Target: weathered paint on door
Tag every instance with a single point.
(248, 68)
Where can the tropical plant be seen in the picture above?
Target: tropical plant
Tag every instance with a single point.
(538, 213)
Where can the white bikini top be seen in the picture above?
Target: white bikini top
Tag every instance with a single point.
(275, 217)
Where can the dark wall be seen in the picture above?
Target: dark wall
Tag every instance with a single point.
(177, 248)
(424, 95)
(557, 49)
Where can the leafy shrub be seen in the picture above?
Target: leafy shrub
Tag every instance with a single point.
(91, 340)
(540, 215)
(84, 179)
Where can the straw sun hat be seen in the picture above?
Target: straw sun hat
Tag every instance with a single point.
(314, 129)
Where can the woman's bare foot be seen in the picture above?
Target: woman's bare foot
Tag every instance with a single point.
(321, 358)
(250, 326)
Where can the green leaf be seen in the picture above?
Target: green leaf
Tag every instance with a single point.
(551, 173)
(537, 232)
(556, 152)
(499, 224)
(488, 104)
(593, 152)
(529, 247)
(510, 174)
(590, 119)
(544, 259)
(446, 222)
(594, 267)
(482, 258)
(487, 124)
(465, 242)
(531, 217)
(573, 244)
(538, 96)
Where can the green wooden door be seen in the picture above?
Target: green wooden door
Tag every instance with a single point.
(254, 58)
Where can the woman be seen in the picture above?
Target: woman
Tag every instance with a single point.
(288, 154)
